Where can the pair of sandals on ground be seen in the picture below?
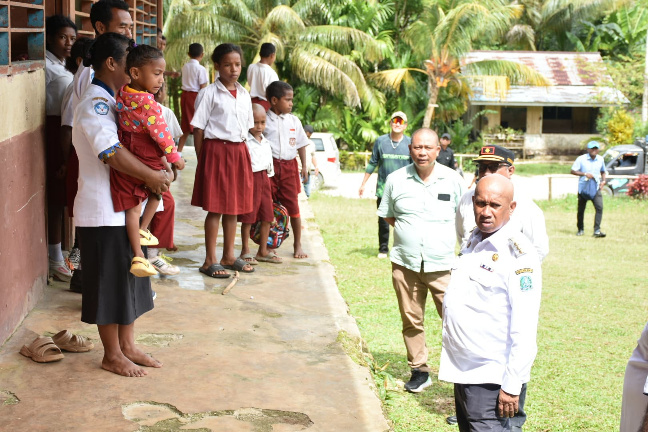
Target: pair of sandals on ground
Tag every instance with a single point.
(46, 349)
(242, 264)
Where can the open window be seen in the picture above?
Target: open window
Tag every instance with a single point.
(22, 36)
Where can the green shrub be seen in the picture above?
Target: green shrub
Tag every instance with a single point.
(620, 128)
(350, 161)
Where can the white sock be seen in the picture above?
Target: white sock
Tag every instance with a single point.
(55, 253)
(152, 252)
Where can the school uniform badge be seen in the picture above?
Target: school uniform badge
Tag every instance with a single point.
(526, 283)
(101, 108)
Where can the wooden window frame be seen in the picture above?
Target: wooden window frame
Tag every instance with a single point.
(34, 29)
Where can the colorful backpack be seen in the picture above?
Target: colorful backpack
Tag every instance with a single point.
(279, 230)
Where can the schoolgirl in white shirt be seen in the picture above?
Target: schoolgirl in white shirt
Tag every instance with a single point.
(224, 181)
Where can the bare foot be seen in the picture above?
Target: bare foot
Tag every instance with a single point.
(139, 357)
(299, 253)
(121, 365)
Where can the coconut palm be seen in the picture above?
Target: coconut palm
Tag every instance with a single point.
(444, 37)
(310, 47)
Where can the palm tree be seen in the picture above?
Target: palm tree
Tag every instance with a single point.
(443, 38)
(310, 47)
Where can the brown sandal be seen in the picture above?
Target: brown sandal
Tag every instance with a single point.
(68, 341)
(42, 350)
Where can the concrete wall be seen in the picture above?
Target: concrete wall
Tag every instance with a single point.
(23, 242)
(556, 144)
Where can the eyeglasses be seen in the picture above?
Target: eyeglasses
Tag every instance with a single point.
(492, 167)
(398, 121)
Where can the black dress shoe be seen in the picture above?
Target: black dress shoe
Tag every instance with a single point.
(599, 234)
(451, 420)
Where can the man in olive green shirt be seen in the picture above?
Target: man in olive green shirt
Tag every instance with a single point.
(420, 202)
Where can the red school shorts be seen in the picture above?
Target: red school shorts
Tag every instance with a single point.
(187, 110)
(286, 184)
(262, 200)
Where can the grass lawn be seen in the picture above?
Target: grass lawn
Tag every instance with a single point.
(532, 169)
(594, 306)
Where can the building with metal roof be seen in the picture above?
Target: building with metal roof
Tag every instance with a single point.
(555, 119)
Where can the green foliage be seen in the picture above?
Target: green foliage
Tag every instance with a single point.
(460, 133)
(620, 128)
(350, 161)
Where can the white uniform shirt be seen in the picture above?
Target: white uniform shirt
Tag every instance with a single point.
(222, 116)
(635, 386)
(193, 76)
(261, 154)
(310, 154)
(171, 121)
(527, 217)
(82, 79)
(490, 312)
(57, 80)
(67, 110)
(93, 132)
(286, 135)
(259, 77)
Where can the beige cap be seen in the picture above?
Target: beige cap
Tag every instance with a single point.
(400, 114)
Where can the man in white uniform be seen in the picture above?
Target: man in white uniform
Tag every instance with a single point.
(634, 410)
(527, 217)
(490, 316)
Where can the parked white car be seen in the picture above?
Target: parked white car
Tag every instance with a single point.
(328, 160)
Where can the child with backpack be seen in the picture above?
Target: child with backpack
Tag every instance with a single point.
(262, 169)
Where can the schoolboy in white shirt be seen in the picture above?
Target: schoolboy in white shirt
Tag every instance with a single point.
(288, 139)
(261, 74)
(194, 78)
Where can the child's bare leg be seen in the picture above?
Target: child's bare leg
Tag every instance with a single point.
(131, 351)
(295, 223)
(132, 229)
(229, 234)
(211, 236)
(149, 211)
(245, 238)
(182, 141)
(114, 359)
(263, 247)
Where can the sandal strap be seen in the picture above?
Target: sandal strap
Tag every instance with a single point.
(43, 344)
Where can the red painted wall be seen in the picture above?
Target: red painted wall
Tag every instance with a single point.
(23, 241)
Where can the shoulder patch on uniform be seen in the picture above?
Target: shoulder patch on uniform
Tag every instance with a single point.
(515, 247)
(524, 270)
(526, 283)
(101, 108)
(100, 99)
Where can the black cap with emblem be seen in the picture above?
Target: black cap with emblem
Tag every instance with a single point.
(495, 153)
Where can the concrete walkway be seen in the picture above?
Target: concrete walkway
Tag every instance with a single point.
(265, 357)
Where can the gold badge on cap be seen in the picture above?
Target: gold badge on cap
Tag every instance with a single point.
(495, 257)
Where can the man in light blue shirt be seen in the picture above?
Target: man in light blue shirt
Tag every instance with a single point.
(420, 201)
(590, 166)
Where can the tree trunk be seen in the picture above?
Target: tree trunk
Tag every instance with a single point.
(644, 106)
(433, 91)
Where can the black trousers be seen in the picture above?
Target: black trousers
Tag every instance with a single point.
(383, 232)
(598, 206)
(476, 406)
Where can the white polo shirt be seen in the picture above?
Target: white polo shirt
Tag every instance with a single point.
(94, 132)
(286, 135)
(57, 80)
(221, 115)
(193, 76)
(490, 312)
(259, 77)
(260, 154)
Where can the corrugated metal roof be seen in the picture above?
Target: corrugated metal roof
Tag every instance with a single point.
(573, 77)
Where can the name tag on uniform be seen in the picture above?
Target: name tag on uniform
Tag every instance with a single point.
(485, 267)
(292, 137)
(444, 197)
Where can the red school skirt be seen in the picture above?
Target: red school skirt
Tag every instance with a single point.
(264, 103)
(262, 200)
(224, 182)
(187, 110)
(126, 191)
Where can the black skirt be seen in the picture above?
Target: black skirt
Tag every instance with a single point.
(111, 294)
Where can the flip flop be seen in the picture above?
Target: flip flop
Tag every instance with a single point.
(250, 257)
(211, 271)
(68, 341)
(238, 265)
(42, 350)
(270, 258)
